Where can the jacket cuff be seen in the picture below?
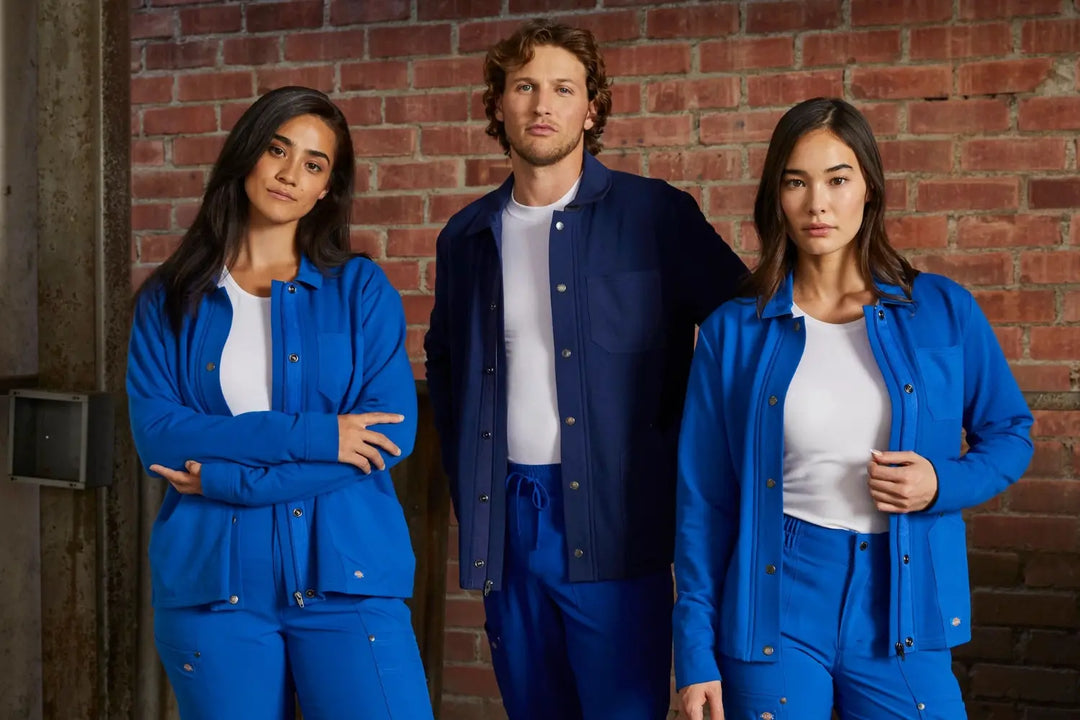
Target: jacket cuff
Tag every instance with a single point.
(220, 481)
(694, 668)
(320, 437)
(950, 493)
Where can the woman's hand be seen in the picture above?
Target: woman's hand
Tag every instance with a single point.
(359, 446)
(901, 482)
(187, 481)
(692, 698)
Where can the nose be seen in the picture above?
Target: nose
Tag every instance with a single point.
(286, 173)
(815, 199)
(542, 99)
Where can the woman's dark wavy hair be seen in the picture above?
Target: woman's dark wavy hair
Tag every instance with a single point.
(518, 50)
(877, 258)
(213, 240)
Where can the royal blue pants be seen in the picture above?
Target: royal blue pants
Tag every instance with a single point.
(834, 648)
(345, 656)
(572, 651)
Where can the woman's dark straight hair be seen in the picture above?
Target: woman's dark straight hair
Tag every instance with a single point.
(213, 240)
(878, 260)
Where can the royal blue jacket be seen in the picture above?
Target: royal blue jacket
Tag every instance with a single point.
(634, 266)
(944, 371)
(338, 347)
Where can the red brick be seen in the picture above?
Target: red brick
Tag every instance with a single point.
(850, 48)
(1054, 193)
(442, 206)
(414, 337)
(1051, 36)
(388, 210)
(960, 41)
(177, 120)
(738, 127)
(677, 95)
(230, 114)
(151, 216)
(741, 54)
(1057, 423)
(185, 213)
(363, 110)
(209, 20)
(166, 184)
(1007, 231)
(883, 117)
(457, 140)
(1048, 460)
(699, 165)
(375, 75)
(607, 27)
(176, 56)
(471, 680)
(196, 150)
(1071, 309)
(341, 45)
(711, 20)
(1054, 570)
(1024, 532)
(1010, 339)
(214, 86)
(988, 644)
(384, 142)
(418, 175)
(366, 241)
(290, 16)
(916, 155)
(411, 242)
(971, 194)
(427, 108)
(479, 36)
(796, 15)
(1016, 306)
(896, 194)
(969, 270)
(350, 12)
(986, 9)
(918, 231)
(1013, 154)
(958, 116)
(252, 50)
(157, 248)
(1050, 267)
(724, 200)
(920, 81)
(537, 7)
(792, 87)
(1025, 683)
(1054, 343)
(448, 72)
(656, 131)
(145, 90)
(405, 40)
(362, 177)
(652, 59)
(461, 646)
(456, 9)
(320, 77)
(1050, 113)
(1043, 378)
(146, 25)
(1074, 230)
(899, 12)
(486, 172)
(626, 97)
(1004, 76)
(417, 308)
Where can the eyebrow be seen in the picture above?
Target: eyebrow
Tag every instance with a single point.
(834, 168)
(286, 141)
(557, 81)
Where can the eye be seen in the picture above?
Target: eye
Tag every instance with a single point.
(792, 183)
(276, 150)
(524, 87)
(838, 180)
(563, 90)
(313, 167)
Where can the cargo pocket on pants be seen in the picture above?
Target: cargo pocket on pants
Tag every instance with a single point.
(396, 658)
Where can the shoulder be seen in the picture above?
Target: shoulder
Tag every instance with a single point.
(932, 289)
(463, 218)
(737, 315)
(628, 186)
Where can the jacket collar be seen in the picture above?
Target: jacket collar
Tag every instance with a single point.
(780, 303)
(595, 183)
(308, 274)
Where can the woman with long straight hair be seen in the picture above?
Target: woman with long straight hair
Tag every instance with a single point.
(820, 554)
(269, 385)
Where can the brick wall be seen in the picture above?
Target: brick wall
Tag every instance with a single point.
(976, 106)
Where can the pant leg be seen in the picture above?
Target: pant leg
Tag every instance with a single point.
(523, 624)
(356, 658)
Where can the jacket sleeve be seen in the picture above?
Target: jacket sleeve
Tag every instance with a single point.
(168, 432)
(706, 524)
(708, 269)
(997, 421)
(437, 364)
(388, 386)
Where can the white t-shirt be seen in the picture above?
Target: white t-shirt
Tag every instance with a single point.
(837, 409)
(246, 371)
(533, 430)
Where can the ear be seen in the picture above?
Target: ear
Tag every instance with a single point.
(499, 110)
(323, 193)
(590, 117)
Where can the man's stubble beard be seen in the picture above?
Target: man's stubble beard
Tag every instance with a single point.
(551, 157)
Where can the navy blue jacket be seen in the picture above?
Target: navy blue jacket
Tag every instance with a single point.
(634, 267)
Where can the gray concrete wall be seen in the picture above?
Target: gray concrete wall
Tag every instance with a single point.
(20, 578)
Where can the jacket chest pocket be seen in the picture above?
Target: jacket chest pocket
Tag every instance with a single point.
(335, 365)
(943, 379)
(626, 311)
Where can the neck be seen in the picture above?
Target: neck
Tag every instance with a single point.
(829, 280)
(269, 248)
(542, 185)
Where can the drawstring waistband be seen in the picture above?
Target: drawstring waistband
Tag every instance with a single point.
(519, 484)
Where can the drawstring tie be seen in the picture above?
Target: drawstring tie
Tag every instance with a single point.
(517, 482)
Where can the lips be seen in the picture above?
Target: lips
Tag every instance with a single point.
(540, 129)
(818, 230)
(281, 194)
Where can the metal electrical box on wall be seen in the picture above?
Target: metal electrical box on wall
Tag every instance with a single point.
(61, 439)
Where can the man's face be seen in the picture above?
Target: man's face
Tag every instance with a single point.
(545, 107)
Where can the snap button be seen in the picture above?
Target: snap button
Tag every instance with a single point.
(233, 599)
(570, 420)
(863, 545)
(770, 483)
(294, 358)
(956, 622)
(493, 307)
(486, 435)
(772, 400)
(358, 574)
(578, 552)
(881, 314)
(310, 593)
(559, 225)
(921, 706)
(907, 559)
(188, 667)
(234, 519)
(210, 367)
(909, 388)
(768, 650)
(770, 569)
(292, 288)
(798, 326)
(371, 638)
(560, 288)
(783, 701)
(484, 498)
(574, 484)
(909, 642)
(297, 512)
(566, 353)
(489, 371)
(766, 715)
(479, 563)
